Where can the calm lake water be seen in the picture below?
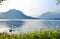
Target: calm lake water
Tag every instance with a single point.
(28, 25)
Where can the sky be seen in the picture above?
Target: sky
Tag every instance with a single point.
(32, 8)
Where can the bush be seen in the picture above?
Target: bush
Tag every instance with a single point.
(47, 34)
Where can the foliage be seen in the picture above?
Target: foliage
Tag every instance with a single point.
(47, 34)
(1, 1)
(58, 1)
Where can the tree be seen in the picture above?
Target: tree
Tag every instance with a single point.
(1, 1)
(58, 1)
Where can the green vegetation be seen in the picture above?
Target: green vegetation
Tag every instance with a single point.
(58, 1)
(47, 34)
(2, 1)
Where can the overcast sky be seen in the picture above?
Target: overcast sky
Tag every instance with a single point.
(32, 8)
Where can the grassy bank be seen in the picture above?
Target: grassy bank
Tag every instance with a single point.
(48, 34)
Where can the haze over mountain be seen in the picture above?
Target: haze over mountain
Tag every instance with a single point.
(50, 16)
(14, 14)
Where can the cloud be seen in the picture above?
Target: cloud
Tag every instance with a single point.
(30, 7)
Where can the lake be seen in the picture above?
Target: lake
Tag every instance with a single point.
(27, 25)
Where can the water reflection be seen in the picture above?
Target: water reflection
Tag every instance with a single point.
(28, 25)
(14, 24)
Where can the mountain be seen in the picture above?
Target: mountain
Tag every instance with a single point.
(50, 16)
(14, 14)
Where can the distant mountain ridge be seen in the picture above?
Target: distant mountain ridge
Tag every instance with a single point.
(50, 16)
(14, 14)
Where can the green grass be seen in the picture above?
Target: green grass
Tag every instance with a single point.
(47, 34)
